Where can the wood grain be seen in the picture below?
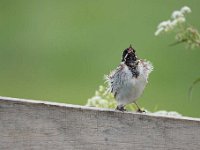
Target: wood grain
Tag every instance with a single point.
(38, 125)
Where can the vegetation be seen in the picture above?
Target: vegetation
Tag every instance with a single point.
(184, 33)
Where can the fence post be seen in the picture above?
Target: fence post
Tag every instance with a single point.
(39, 125)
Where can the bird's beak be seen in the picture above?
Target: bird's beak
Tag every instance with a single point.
(130, 50)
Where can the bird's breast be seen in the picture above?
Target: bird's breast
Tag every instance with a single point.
(131, 87)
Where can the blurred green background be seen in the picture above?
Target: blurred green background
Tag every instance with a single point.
(59, 50)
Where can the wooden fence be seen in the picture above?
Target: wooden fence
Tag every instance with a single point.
(39, 125)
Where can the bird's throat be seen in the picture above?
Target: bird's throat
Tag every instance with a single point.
(134, 70)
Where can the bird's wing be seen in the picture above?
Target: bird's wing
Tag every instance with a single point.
(145, 67)
(114, 79)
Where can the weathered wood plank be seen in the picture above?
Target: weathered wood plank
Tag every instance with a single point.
(37, 125)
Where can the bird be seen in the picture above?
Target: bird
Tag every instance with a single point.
(128, 81)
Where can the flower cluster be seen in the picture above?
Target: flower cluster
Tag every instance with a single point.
(167, 113)
(105, 99)
(177, 17)
(184, 33)
(189, 35)
(102, 99)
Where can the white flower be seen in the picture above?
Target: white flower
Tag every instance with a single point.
(103, 103)
(159, 31)
(168, 28)
(185, 10)
(181, 19)
(164, 24)
(92, 101)
(174, 23)
(167, 113)
(101, 88)
(176, 14)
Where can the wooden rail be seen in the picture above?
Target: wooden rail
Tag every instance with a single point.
(39, 125)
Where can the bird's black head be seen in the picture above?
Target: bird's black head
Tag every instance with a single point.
(129, 57)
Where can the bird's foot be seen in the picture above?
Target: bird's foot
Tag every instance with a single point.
(140, 111)
(120, 108)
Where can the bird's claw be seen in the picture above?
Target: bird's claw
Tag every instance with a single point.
(140, 111)
(120, 108)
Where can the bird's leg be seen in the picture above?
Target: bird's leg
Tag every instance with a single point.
(138, 108)
(120, 108)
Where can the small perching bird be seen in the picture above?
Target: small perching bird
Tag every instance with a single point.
(128, 80)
